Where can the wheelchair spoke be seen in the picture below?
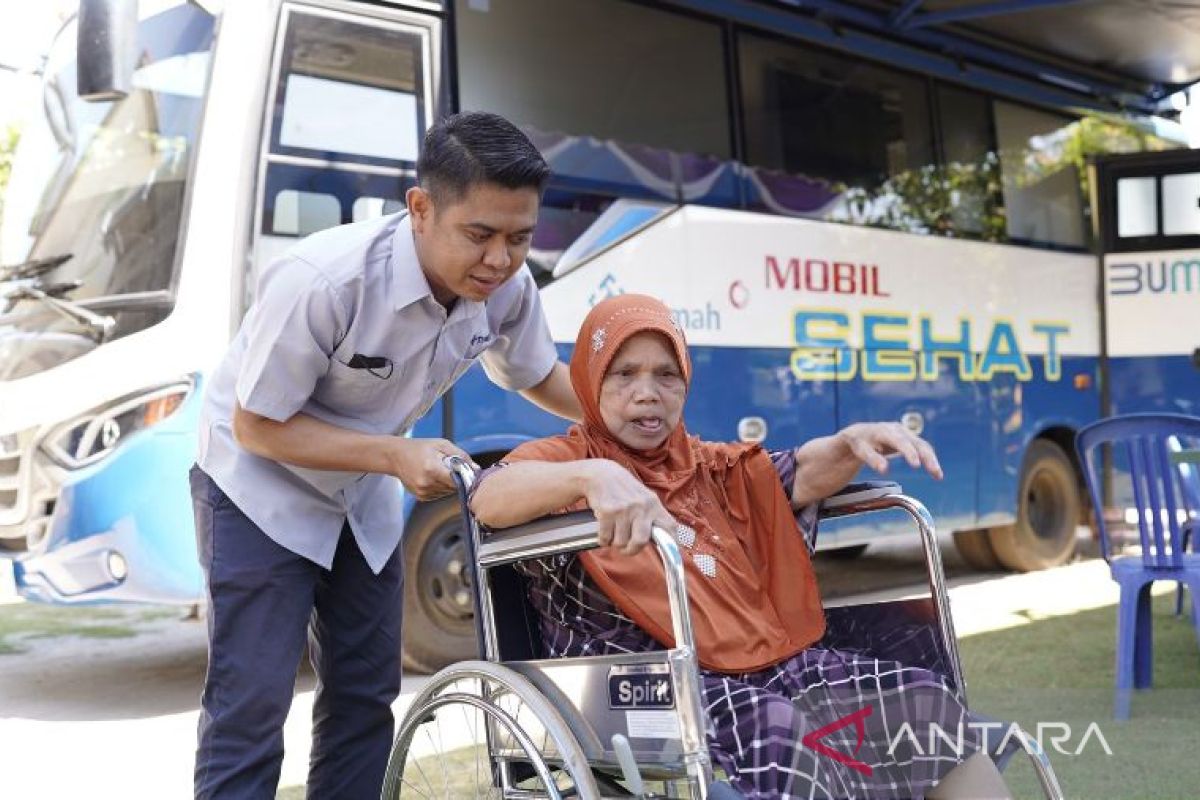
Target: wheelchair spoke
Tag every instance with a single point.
(475, 734)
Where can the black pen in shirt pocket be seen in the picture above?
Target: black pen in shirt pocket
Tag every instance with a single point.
(379, 366)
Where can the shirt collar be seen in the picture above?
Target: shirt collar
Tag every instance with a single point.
(409, 284)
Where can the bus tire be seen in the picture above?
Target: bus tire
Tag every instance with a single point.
(1048, 509)
(439, 611)
(976, 549)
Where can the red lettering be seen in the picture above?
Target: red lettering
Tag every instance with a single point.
(782, 278)
(875, 290)
(811, 284)
(843, 278)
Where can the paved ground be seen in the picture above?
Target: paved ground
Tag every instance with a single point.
(115, 717)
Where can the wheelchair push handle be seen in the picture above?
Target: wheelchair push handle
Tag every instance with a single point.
(459, 465)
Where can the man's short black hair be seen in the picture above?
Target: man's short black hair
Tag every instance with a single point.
(475, 147)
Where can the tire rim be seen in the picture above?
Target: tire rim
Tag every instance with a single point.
(444, 581)
(1045, 505)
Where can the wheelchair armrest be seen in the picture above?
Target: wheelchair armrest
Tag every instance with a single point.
(567, 533)
(562, 533)
(854, 495)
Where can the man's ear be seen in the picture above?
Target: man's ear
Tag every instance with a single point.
(420, 207)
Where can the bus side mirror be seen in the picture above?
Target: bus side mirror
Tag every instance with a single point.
(106, 48)
(1196, 358)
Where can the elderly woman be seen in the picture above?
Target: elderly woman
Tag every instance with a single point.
(767, 681)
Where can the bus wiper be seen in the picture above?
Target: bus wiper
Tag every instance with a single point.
(34, 268)
(51, 295)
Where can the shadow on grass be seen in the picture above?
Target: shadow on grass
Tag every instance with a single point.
(1059, 670)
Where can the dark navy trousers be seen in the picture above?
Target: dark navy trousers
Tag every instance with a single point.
(264, 602)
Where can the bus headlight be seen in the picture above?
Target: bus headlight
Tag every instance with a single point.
(88, 439)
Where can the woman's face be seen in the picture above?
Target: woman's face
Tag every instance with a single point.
(641, 397)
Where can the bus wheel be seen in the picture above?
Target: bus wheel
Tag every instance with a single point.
(1048, 511)
(439, 611)
(976, 549)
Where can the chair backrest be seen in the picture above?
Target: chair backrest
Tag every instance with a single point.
(1159, 493)
(1189, 475)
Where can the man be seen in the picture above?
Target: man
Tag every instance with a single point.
(353, 336)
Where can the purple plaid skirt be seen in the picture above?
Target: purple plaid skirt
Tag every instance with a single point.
(892, 731)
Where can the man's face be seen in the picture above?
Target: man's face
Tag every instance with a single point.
(468, 247)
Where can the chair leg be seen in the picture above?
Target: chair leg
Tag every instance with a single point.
(1194, 589)
(1126, 631)
(1143, 660)
(1185, 545)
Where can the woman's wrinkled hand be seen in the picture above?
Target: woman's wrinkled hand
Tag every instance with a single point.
(625, 509)
(873, 443)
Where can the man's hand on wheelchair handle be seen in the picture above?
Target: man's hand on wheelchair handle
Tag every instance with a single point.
(873, 443)
(625, 509)
(420, 465)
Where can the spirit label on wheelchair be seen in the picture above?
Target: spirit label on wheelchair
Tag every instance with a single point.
(640, 686)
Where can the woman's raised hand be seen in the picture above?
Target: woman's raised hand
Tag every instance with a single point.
(873, 442)
(624, 507)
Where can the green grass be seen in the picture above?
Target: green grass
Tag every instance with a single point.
(22, 622)
(1061, 670)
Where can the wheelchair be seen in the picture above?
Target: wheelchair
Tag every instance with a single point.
(516, 725)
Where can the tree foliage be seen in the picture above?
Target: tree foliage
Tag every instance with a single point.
(967, 199)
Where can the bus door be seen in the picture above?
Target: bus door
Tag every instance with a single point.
(353, 89)
(1148, 226)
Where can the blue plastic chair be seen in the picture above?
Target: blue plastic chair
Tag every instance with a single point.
(1189, 479)
(1160, 499)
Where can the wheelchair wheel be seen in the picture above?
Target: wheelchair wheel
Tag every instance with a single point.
(475, 720)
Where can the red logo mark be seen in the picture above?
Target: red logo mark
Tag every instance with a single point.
(739, 295)
(856, 719)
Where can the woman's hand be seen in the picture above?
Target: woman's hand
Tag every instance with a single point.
(873, 442)
(624, 507)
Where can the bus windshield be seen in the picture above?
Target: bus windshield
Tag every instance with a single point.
(104, 182)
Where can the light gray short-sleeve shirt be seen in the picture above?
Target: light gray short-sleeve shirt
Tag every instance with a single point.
(354, 290)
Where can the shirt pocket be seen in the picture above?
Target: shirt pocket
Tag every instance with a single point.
(354, 392)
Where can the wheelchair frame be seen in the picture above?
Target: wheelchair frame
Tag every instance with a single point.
(567, 696)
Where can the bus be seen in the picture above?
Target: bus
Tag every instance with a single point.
(848, 224)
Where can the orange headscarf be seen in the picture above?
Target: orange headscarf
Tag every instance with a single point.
(751, 588)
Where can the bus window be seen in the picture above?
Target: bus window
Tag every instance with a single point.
(349, 91)
(970, 204)
(825, 133)
(371, 207)
(1043, 197)
(1137, 207)
(622, 100)
(301, 213)
(1180, 209)
(350, 105)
